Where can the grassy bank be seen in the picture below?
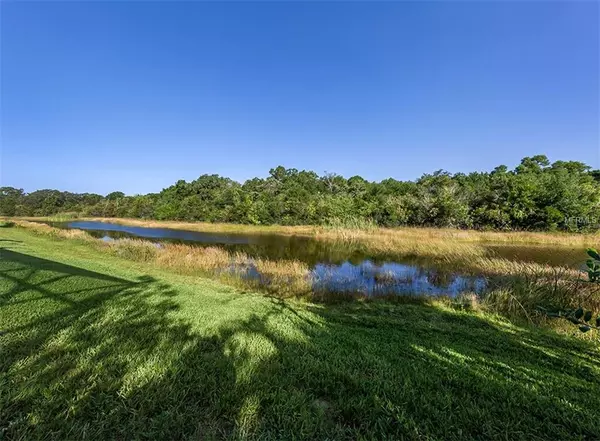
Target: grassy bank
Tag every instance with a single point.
(516, 289)
(283, 278)
(95, 346)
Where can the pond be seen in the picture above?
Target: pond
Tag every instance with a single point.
(338, 267)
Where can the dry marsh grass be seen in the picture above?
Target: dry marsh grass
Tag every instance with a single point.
(289, 277)
(190, 259)
(454, 235)
(282, 277)
(496, 266)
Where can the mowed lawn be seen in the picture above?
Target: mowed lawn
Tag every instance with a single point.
(96, 347)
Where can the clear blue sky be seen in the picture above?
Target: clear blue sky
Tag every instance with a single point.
(133, 96)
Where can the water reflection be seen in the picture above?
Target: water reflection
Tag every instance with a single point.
(117, 231)
(545, 254)
(392, 278)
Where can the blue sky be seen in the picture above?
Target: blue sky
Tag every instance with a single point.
(133, 96)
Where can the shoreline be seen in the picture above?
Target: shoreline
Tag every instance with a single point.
(366, 236)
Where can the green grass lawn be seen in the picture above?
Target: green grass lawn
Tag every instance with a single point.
(96, 347)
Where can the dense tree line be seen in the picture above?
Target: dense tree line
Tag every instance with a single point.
(536, 195)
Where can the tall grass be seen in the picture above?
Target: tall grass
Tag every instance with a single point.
(283, 277)
(63, 217)
(342, 226)
(132, 249)
(530, 297)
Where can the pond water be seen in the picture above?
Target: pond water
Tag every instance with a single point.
(338, 267)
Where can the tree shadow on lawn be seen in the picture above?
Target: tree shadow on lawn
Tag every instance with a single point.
(90, 355)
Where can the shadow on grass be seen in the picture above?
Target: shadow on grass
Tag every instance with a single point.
(91, 355)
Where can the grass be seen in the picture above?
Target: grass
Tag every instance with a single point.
(96, 346)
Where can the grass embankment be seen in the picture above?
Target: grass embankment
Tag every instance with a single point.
(283, 278)
(94, 346)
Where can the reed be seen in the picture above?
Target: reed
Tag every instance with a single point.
(454, 235)
(343, 226)
(528, 293)
(63, 217)
(496, 266)
(192, 259)
(132, 249)
(284, 278)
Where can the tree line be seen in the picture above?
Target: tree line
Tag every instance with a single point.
(535, 195)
